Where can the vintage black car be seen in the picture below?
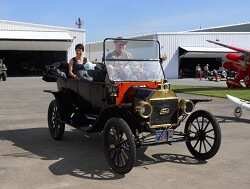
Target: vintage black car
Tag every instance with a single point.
(129, 100)
(222, 73)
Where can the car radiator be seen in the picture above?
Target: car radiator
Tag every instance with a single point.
(165, 112)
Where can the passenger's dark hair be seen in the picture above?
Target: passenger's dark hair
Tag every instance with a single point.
(79, 46)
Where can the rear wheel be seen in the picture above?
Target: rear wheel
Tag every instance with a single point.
(238, 112)
(56, 128)
(203, 134)
(4, 76)
(119, 145)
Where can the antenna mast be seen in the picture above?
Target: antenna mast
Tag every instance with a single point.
(79, 23)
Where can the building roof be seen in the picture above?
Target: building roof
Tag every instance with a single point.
(176, 33)
(205, 52)
(241, 27)
(34, 36)
(40, 25)
(35, 41)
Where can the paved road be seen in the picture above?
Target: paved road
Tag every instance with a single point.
(29, 158)
(198, 82)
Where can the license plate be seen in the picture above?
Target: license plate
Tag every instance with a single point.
(170, 134)
(160, 135)
(164, 135)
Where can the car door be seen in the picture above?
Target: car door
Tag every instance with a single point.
(84, 93)
(98, 93)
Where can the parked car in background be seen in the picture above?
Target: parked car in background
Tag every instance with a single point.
(213, 75)
(224, 73)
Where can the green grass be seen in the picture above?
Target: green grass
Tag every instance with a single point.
(243, 93)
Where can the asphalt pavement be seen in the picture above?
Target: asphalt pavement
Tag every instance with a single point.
(30, 158)
(198, 82)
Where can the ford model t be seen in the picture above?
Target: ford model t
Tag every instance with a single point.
(129, 99)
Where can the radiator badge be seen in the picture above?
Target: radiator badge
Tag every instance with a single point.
(164, 111)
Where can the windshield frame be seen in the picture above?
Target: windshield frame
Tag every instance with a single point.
(159, 59)
(145, 40)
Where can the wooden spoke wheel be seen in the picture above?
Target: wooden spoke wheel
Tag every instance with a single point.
(203, 135)
(119, 145)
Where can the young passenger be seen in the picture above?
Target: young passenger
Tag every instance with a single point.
(77, 63)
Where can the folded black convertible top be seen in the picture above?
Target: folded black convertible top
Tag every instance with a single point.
(55, 71)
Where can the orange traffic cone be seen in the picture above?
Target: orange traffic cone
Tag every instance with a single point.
(200, 75)
(216, 76)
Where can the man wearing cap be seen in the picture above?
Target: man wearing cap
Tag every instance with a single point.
(118, 68)
(119, 52)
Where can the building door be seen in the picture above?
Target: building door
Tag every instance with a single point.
(30, 63)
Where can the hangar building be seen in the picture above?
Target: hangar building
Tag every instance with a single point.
(187, 49)
(27, 48)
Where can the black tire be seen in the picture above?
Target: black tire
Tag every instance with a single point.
(238, 112)
(119, 145)
(203, 135)
(210, 79)
(4, 76)
(56, 128)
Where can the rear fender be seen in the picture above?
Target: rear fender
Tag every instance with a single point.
(121, 111)
(65, 106)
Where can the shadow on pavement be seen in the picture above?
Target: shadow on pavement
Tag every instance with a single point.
(77, 154)
(224, 119)
(143, 159)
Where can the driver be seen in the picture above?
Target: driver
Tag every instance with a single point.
(119, 52)
(120, 69)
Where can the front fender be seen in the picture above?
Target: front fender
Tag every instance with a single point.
(122, 111)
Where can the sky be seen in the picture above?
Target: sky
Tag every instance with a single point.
(126, 18)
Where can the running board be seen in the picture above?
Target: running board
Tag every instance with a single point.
(84, 128)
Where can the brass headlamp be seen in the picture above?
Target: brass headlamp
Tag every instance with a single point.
(144, 109)
(186, 106)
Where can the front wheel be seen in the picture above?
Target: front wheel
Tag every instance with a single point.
(119, 145)
(203, 135)
(56, 128)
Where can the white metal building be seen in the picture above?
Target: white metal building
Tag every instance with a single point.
(185, 50)
(32, 46)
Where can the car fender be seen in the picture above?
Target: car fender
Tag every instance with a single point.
(58, 94)
(122, 111)
(65, 106)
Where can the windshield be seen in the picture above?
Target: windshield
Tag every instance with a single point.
(132, 60)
